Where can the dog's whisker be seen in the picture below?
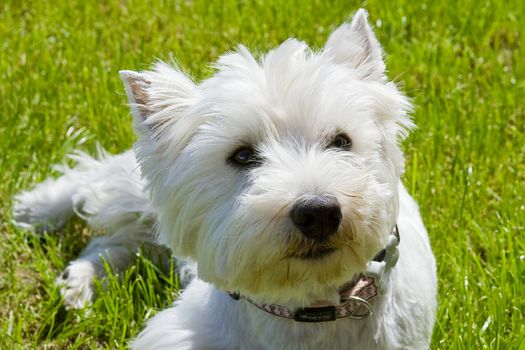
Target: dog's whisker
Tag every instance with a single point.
(351, 195)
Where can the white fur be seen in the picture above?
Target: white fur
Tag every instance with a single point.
(235, 223)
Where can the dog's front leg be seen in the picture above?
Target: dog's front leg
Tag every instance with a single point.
(118, 251)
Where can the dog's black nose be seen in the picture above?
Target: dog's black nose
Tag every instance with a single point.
(317, 217)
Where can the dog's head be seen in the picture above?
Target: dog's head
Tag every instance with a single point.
(278, 175)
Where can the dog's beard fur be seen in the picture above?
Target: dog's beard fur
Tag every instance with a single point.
(288, 106)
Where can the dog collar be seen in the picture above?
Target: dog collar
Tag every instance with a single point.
(355, 295)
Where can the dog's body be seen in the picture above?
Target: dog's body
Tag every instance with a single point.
(281, 179)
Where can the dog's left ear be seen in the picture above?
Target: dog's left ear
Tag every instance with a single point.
(158, 98)
(160, 101)
(356, 45)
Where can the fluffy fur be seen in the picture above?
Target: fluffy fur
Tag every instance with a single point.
(234, 222)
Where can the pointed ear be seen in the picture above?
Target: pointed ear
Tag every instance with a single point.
(158, 97)
(356, 45)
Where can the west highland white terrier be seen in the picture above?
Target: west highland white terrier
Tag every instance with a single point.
(280, 178)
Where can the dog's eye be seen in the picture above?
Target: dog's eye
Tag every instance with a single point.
(341, 141)
(245, 156)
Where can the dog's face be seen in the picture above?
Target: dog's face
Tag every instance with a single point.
(278, 175)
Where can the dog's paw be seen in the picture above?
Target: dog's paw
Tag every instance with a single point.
(26, 219)
(76, 284)
(31, 214)
(23, 216)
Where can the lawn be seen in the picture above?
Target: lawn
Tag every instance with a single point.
(462, 62)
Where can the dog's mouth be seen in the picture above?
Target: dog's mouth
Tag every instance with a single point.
(302, 248)
(314, 253)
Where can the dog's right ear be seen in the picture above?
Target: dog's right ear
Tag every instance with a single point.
(158, 98)
(356, 45)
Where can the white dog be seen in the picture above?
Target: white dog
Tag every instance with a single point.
(280, 178)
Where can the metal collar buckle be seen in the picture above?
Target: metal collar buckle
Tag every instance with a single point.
(364, 306)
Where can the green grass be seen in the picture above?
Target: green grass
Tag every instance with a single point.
(462, 62)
